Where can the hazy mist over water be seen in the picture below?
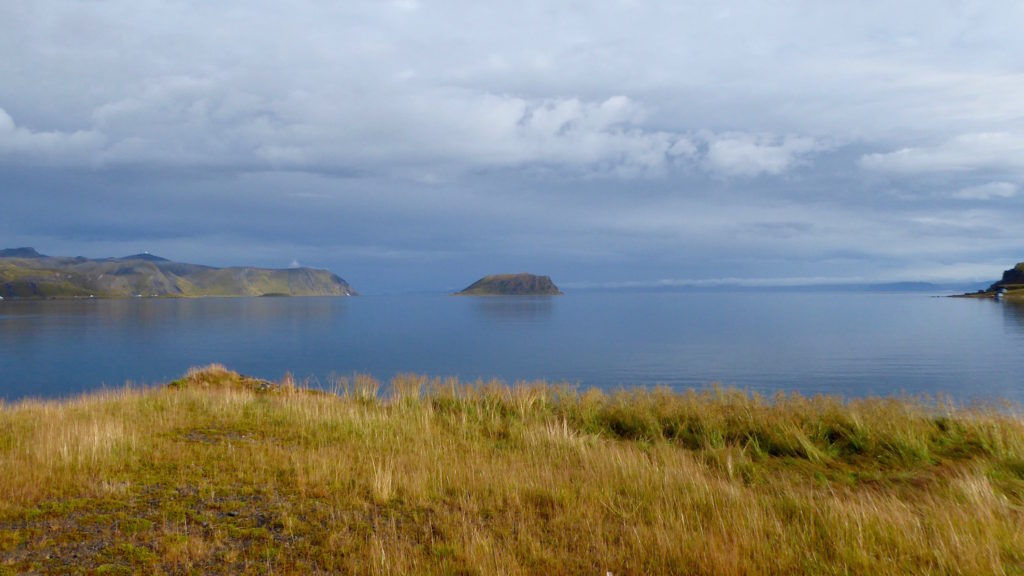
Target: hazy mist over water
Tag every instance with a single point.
(852, 344)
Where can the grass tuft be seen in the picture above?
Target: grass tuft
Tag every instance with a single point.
(218, 472)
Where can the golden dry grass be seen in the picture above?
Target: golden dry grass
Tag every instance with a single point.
(217, 473)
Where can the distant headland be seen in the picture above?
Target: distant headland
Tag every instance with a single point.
(512, 285)
(25, 273)
(1011, 286)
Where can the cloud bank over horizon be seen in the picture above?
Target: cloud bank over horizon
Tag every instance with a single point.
(411, 145)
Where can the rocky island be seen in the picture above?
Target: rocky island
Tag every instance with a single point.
(512, 285)
(25, 273)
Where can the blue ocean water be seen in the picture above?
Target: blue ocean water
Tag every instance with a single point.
(854, 344)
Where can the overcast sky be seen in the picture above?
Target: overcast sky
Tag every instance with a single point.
(417, 145)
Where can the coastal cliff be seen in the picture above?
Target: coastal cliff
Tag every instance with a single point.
(1010, 286)
(25, 273)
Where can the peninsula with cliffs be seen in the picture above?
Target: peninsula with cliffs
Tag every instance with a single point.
(1010, 286)
(25, 273)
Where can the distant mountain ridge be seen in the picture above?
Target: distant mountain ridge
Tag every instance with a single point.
(909, 287)
(143, 256)
(25, 273)
(24, 252)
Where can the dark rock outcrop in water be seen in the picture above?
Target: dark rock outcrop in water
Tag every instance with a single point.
(24, 273)
(512, 285)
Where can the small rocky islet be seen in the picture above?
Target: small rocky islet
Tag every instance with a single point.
(522, 284)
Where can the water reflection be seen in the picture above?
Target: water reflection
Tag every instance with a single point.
(813, 343)
(514, 309)
(22, 319)
(1013, 312)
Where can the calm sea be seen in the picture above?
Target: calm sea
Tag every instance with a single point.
(853, 344)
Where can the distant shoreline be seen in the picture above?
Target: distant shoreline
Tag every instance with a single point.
(1011, 295)
(166, 297)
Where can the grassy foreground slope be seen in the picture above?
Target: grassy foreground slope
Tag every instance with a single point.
(218, 473)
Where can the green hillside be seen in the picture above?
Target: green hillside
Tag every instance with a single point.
(24, 273)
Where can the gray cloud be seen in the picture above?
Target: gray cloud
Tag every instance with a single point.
(962, 153)
(406, 142)
(742, 154)
(187, 122)
(992, 190)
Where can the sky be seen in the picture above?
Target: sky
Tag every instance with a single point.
(418, 145)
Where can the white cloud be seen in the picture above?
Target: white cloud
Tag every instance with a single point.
(406, 5)
(963, 153)
(203, 122)
(988, 191)
(739, 154)
(46, 147)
